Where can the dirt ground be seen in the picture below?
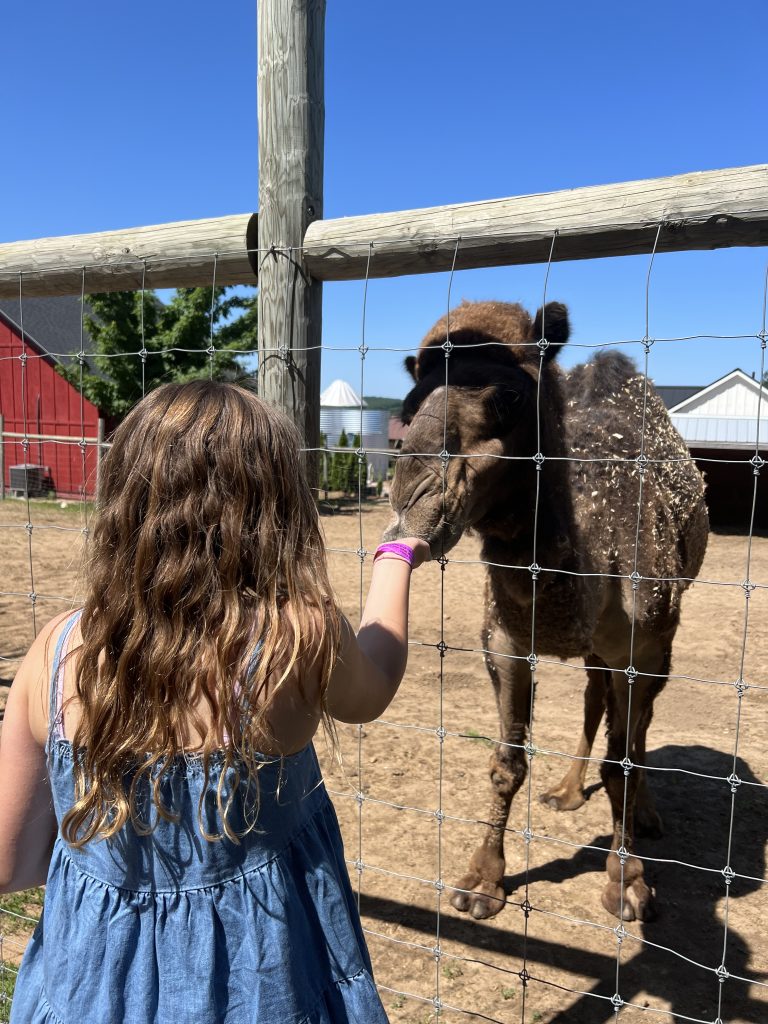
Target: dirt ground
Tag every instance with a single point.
(567, 944)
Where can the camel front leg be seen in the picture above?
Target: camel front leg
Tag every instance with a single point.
(480, 891)
(568, 794)
(626, 895)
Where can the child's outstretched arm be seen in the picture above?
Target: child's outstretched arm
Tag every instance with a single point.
(372, 664)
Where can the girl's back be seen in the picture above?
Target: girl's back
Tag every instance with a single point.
(169, 926)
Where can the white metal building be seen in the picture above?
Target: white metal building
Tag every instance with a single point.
(342, 409)
(719, 423)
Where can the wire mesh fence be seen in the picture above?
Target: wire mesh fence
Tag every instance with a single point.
(411, 788)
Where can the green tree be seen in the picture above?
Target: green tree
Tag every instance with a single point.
(338, 468)
(139, 342)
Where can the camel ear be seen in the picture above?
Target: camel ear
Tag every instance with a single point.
(552, 323)
(410, 365)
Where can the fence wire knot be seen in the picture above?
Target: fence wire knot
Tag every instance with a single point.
(440, 733)
(440, 818)
(741, 688)
(447, 347)
(533, 661)
(82, 445)
(728, 874)
(534, 569)
(439, 885)
(210, 351)
(363, 350)
(631, 673)
(359, 865)
(442, 562)
(23, 359)
(32, 597)
(442, 647)
(620, 932)
(28, 527)
(25, 445)
(635, 577)
(748, 586)
(437, 953)
(81, 357)
(359, 797)
(623, 854)
(539, 458)
(648, 344)
(542, 345)
(616, 1001)
(734, 781)
(444, 457)
(361, 553)
(528, 834)
(524, 977)
(627, 765)
(438, 1004)
(722, 974)
(143, 353)
(762, 337)
(361, 454)
(530, 749)
(526, 906)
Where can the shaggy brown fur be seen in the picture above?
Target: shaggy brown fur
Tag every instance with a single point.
(607, 584)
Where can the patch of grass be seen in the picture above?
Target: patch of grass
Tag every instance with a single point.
(398, 1002)
(452, 970)
(7, 985)
(536, 1017)
(507, 993)
(17, 905)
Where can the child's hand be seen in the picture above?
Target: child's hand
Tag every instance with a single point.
(421, 551)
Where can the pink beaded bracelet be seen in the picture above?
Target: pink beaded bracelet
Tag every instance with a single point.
(403, 551)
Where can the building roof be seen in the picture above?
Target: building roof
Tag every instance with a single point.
(673, 394)
(739, 386)
(52, 324)
(340, 395)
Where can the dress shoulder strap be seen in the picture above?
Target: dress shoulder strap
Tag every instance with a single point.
(56, 700)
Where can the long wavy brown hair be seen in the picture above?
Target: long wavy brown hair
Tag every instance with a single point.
(206, 540)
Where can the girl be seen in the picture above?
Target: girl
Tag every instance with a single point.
(156, 767)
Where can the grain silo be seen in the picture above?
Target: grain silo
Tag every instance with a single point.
(342, 409)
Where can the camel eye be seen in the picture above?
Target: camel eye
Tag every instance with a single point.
(502, 405)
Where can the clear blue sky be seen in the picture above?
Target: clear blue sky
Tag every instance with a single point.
(121, 114)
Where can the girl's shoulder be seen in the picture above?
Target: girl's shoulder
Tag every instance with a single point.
(33, 679)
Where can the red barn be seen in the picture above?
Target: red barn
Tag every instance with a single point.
(37, 402)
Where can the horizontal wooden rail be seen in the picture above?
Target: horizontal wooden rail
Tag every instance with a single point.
(701, 210)
(176, 255)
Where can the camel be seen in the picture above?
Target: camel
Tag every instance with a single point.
(608, 582)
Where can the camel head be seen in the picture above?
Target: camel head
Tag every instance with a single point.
(478, 401)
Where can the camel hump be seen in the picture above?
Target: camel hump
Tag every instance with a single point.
(602, 377)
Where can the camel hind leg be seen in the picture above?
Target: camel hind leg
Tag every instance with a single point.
(629, 708)
(568, 794)
(480, 891)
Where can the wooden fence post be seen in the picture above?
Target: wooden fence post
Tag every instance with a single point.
(291, 115)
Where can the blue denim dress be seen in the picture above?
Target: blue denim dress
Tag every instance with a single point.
(172, 929)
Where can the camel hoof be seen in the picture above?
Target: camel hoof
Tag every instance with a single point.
(480, 900)
(637, 905)
(563, 798)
